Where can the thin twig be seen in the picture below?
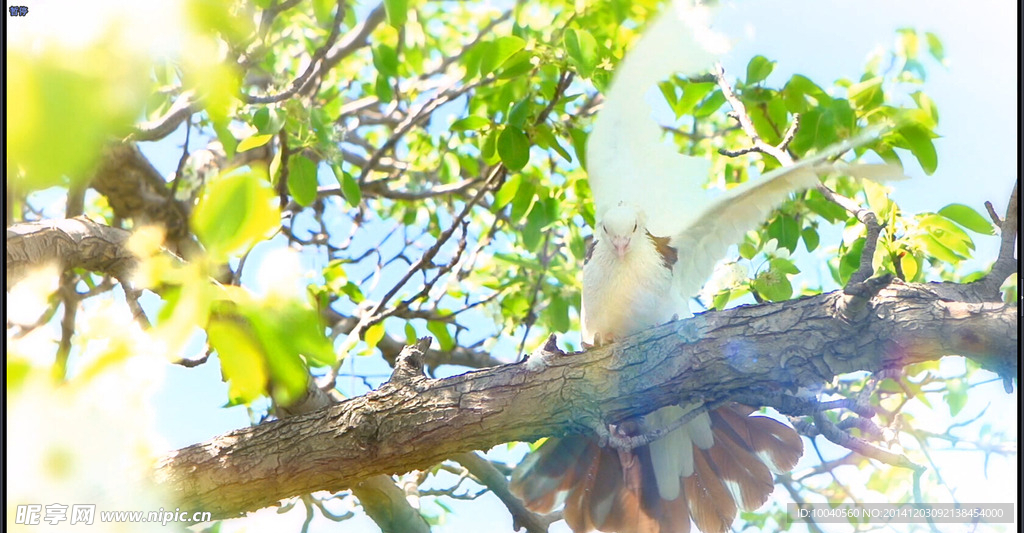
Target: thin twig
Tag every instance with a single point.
(307, 75)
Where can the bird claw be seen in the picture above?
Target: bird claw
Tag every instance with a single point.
(601, 340)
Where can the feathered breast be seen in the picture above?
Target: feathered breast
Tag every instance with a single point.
(622, 296)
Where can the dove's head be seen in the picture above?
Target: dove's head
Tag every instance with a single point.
(620, 225)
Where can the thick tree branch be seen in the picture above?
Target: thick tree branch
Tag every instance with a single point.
(70, 243)
(415, 422)
(494, 480)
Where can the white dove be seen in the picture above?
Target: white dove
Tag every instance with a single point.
(657, 239)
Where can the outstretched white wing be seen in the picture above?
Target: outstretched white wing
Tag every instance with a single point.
(627, 160)
(723, 222)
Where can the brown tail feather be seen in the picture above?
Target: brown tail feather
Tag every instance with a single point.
(612, 492)
(711, 504)
(762, 435)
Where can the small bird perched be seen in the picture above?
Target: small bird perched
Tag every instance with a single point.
(657, 239)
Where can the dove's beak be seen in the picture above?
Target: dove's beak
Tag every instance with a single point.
(621, 245)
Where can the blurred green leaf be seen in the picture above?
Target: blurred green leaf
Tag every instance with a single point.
(323, 11)
(867, 94)
(236, 211)
(373, 335)
(545, 139)
(948, 234)
(254, 141)
(773, 286)
(557, 314)
(507, 191)
(472, 122)
(349, 185)
(935, 47)
(268, 120)
(710, 104)
(397, 12)
(758, 69)
(519, 113)
(786, 230)
(440, 331)
(496, 52)
(302, 179)
(582, 49)
(242, 360)
(514, 148)
(385, 59)
(968, 218)
(811, 238)
(692, 94)
(849, 260)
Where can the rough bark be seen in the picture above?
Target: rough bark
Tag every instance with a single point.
(69, 243)
(413, 422)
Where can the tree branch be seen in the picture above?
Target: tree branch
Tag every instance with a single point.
(71, 243)
(416, 422)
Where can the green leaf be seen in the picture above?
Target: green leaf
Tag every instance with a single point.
(579, 143)
(850, 260)
(254, 141)
(302, 179)
(507, 192)
(373, 335)
(322, 10)
(385, 59)
(242, 360)
(785, 266)
(226, 138)
(935, 47)
(288, 329)
(440, 331)
(811, 238)
(947, 233)
(236, 211)
(523, 201)
(937, 250)
(907, 43)
(910, 265)
(382, 88)
(268, 120)
(545, 139)
(787, 231)
(397, 12)
(968, 218)
(758, 69)
(519, 113)
(798, 89)
(692, 93)
(520, 63)
(921, 146)
(926, 104)
(557, 314)
(349, 185)
(747, 250)
(472, 122)
(721, 299)
(710, 104)
(773, 286)
(533, 229)
(867, 94)
(496, 52)
(514, 148)
(582, 49)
